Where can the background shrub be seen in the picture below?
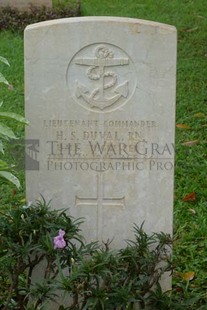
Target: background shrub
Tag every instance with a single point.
(15, 20)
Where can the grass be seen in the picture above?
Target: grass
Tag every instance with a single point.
(190, 216)
(13, 100)
(62, 3)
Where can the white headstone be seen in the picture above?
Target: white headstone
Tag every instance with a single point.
(100, 98)
(25, 4)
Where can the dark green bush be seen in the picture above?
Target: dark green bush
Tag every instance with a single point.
(16, 20)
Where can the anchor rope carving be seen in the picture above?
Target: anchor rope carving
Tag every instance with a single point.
(106, 79)
(95, 76)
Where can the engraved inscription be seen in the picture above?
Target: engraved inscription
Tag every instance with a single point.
(100, 201)
(101, 77)
(106, 145)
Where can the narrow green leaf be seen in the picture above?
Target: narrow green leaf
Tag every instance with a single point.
(10, 177)
(16, 117)
(1, 147)
(1, 103)
(4, 60)
(7, 132)
(3, 165)
(3, 80)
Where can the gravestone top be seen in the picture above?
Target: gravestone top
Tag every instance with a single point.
(132, 21)
(100, 98)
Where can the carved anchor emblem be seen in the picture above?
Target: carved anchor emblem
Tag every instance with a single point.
(106, 80)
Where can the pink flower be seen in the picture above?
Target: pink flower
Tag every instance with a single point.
(59, 241)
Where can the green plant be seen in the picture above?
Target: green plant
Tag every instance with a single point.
(7, 133)
(94, 276)
(119, 279)
(26, 239)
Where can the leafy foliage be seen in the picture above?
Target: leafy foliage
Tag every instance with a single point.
(7, 133)
(118, 279)
(94, 276)
(25, 240)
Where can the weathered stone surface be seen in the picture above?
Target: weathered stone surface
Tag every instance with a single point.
(25, 4)
(100, 97)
